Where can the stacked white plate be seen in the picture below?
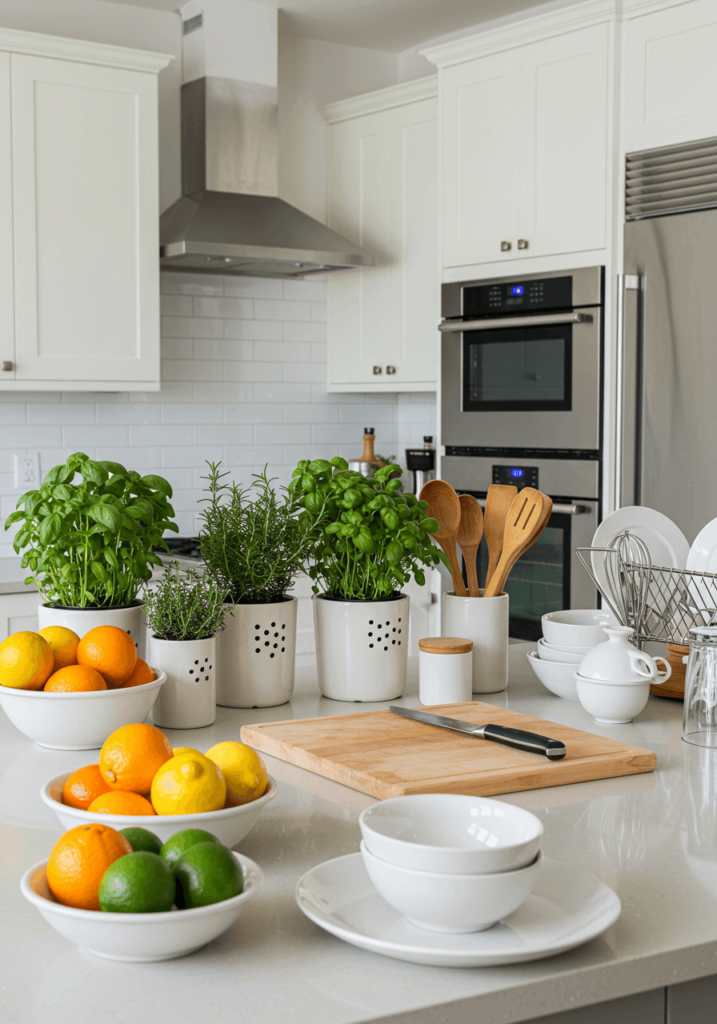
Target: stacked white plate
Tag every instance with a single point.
(567, 637)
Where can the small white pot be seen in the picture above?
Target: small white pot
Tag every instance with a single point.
(188, 700)
(82, 620)
(256, 652)
(361, 648)
(484, 620)
(612, 703)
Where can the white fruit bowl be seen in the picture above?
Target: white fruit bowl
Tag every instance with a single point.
(556, 676)
(140, 938)
(78, 721)
(229, 825)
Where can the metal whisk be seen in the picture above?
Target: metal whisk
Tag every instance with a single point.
(628, 579)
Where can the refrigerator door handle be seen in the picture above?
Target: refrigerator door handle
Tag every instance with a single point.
(627, 406)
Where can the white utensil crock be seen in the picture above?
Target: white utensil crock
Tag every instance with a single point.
(188, 699)
(255, 655)
(361, 648)
(484, 620)
(130, 618)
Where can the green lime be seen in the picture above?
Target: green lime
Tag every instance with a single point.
(139, 883)
(207, 873)
(142, 839)
(180, 842)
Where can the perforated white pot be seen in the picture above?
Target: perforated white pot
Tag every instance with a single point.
(82, 620)
(190, 700)
(255, 655)
(361, 648)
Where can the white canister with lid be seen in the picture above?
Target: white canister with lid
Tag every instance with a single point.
(445, 670)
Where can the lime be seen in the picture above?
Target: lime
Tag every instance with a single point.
(142, 884)
(180, 842)
(207, 873)
(142, 839)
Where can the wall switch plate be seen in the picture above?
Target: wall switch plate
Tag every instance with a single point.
(27, 470)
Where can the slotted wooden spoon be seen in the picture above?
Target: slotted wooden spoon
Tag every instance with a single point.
(500, 498)
(527, 518)
(444, 506)
(470, 531)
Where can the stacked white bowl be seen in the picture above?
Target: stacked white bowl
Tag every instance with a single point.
(568, 636)
(451, 863)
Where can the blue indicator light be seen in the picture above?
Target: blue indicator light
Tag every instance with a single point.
(517, 473)
(516, 289)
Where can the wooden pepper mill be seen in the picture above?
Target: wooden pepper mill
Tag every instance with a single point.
(368, 463)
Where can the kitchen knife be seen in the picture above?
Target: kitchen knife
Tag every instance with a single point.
(532, 742)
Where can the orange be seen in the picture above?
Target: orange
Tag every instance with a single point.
(119, 802)
(78, 862)
(63, 642)
(26, 661)
(74, 679)
(142, 674)
(84, 786)
(111, 651)
(131, 756)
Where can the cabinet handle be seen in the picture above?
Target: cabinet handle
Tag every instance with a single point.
(506, 246)
(522, 243)
(390, 370)
(377, 370)
(7, 364)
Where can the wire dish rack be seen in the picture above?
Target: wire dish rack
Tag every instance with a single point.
(659, 603)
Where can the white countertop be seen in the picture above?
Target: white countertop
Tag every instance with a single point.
(652, 837)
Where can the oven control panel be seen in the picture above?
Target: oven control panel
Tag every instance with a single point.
(518, 296)
(518, 476)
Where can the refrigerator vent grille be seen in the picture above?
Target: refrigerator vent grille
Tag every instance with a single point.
(671, 179)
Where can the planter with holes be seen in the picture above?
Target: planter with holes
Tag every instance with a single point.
(82, 620)
(255, 655)
(361, 647)
(191, 698)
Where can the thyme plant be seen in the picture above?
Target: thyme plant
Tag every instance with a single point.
(185, 605)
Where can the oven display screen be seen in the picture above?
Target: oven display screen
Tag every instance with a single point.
(544, 293)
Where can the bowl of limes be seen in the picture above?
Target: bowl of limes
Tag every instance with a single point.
(126, 895)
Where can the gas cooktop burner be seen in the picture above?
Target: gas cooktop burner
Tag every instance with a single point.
(181, 547)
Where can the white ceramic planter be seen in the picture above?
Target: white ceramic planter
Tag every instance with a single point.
(82, 620)
(361, 648)
(256, 652)
(188, 700)
(484, 620)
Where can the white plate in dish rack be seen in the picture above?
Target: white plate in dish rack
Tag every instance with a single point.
(665, 541)
(703, 553)
(566, 909)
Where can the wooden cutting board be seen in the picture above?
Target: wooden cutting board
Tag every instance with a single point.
(384, 755)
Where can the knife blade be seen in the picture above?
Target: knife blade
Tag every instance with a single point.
(532, 742)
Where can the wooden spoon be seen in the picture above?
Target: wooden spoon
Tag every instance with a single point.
(527, 518)
(444, 506)
(500, 498)
(470, 532)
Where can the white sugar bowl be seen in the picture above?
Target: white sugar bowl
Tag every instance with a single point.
(617, 661)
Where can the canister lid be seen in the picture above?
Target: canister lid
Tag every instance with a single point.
(445, 645)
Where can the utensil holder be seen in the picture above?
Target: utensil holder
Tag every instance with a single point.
(484, 620)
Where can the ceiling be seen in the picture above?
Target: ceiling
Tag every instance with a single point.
(391, 25)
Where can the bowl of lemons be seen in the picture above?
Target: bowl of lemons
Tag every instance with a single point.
(126, 895)
(141, 780)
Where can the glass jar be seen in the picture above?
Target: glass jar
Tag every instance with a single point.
(699, 722)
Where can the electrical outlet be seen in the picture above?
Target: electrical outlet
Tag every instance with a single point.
(27, 470)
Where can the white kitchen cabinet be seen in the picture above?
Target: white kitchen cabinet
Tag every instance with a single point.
(18, 612)
(383, 194)
(82, 238)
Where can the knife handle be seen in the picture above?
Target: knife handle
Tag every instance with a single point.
(522, 740)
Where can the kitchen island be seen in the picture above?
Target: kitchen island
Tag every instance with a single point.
(652, 837)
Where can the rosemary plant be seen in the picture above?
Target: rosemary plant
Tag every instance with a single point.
(185, 605)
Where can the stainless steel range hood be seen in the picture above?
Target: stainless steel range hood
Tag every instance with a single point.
(230, 219)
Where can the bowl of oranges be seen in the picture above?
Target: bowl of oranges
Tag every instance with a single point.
(67, 692)
(141, 781)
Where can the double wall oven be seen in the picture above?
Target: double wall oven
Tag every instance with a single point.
(521, 403)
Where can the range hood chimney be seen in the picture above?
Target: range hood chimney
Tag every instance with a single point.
(230, 219)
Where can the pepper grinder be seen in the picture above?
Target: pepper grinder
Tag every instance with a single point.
(368, 463)
(422, 463)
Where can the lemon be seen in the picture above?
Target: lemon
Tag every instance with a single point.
(188, 784)
(176, 751)
(64, 643)
(26, 661)
(243, 770)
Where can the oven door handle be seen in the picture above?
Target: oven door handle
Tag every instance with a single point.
(456, 326)
(566, 510)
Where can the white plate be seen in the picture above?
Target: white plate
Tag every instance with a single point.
(665, 541)
(566, 908)
(703, 553)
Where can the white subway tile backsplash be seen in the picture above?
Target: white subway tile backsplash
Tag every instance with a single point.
(253, 330)
(172, 391)
(191, 327)
(142, 460)
(376, 414)
(226, 434)
(18, 437)
(176, 305)
(254, 455)
(191, 284)
(177, 348)
(62, 412)
(306, 291)
(253, 287)
(222, 392)
(228, 309)
(282, 351)
(191, 369)
(192, 413)
(276, 433)
(303, 331)
(228, 348)
(253, 413)
(311, 413)
(133, 414)
(276, 309)
(282, 392)
(261, 372)
(80, 436)
(188, 457)
(170, 435)
(318, 311)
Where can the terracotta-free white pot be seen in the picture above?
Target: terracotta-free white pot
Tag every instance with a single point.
(361, 647)
(190, 700)
(82, 620)
(484, 620)
(256, 652)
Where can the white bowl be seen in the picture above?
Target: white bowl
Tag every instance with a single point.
(555, 676)
(577, 627)
(451, 903)
(229, 824)
(612, 703)
(78, 721)
(140, 937)
(451, 834)
(553, 655)
(567, 648)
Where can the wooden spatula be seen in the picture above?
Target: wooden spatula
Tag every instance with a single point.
(470, 532)
(444, 506)
(527, 518)
(500, 498)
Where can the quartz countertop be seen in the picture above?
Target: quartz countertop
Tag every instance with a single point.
(652, 837)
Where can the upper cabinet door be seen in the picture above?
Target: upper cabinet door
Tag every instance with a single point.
(86, 221)
(670, 76)
(564, 144)
(480, 159)
(7, 320)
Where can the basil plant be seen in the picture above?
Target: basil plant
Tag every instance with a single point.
(90, 531)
